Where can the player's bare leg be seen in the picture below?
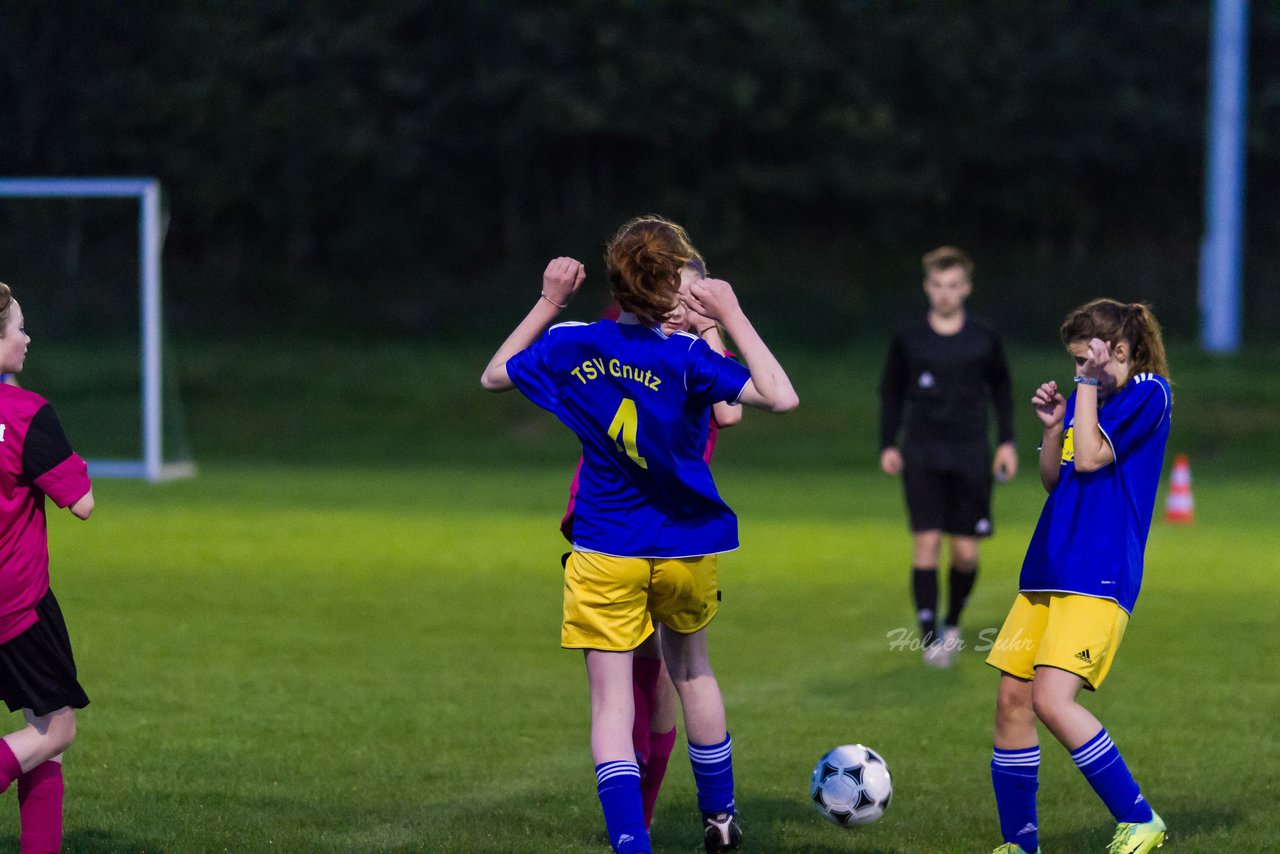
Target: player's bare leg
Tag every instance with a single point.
(43, 737)
(617, 773)
(964, 553)
(1015, 765)
(612, 709)
(1015, 714)
(1138, 828)
(690, 668)
(1055, 705)
(710, 750)
(926, 548)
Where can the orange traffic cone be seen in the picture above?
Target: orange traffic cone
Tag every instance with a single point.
(1179, 507)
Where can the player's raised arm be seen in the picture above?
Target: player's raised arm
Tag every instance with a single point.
(769, 387)
(560, 282)
(1051, 408)
(726, 414)
(1092, 450)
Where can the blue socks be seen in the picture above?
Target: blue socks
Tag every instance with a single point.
(1100, 762)
(713, 775)
(618, 784)
(1014, 778)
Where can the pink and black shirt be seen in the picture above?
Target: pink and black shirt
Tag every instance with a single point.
(36, 460)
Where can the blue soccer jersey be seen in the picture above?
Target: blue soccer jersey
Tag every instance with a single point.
(1093, 529)
(639, 401)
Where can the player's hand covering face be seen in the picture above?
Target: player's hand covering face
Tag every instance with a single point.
(684, 318)
(714, 299)
(1095, 361)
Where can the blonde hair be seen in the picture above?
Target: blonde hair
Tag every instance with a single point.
(6, 305)
(944, 258)
(643, 262)
(1113, 321)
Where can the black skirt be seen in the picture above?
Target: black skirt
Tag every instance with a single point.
(37, 669)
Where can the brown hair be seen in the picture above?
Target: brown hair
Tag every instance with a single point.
(1113, 322)
(944, 258)
(6, 303)
(643, 262)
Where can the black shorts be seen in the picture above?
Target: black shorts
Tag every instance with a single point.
(954, 499)
(37, 670)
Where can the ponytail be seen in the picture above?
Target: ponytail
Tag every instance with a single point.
(1142, 331)
(1113, 321)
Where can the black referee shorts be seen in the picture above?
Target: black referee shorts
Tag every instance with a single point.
(37, 670)
(954, 498)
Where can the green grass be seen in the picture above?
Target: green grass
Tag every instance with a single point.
(380, 404)
(338, 658)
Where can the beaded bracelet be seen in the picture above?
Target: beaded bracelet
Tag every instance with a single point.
(1087, 381)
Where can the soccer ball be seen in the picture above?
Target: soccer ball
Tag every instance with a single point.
(851, 785)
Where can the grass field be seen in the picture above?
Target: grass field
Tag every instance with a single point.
(343, 635)
(343, 658)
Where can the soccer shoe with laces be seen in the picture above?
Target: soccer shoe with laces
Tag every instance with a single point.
(722, 833)
(1013, 848)
(1138, 838)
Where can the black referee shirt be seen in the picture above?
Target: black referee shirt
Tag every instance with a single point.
(945, 382)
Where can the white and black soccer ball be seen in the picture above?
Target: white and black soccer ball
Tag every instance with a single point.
(851, 785)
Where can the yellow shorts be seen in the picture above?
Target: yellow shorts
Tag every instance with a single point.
(1079, 634)
(610, 603)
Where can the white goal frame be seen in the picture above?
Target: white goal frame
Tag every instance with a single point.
(152, 466)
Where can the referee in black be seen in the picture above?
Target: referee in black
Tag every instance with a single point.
(944, 371)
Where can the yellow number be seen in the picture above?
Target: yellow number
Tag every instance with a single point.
(1068, 447)
(623, 431)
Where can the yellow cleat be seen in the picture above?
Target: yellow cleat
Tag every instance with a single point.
(1134, 838)
(1013, 848)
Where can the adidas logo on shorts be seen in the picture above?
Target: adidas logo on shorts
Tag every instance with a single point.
(1083, 655)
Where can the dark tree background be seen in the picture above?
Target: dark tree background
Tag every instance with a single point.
(406, 168)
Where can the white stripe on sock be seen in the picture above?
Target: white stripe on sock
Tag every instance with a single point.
(719, 753)
(1085, 756)
(609, 770)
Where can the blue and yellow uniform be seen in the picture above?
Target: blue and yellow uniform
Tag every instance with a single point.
(648, 520)
(1083, 569)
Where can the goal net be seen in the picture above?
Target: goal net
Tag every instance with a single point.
(83, 258)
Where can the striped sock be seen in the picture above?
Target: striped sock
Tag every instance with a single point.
(1101, 764)
(1014, 778)
(618, 784)
(713, 775)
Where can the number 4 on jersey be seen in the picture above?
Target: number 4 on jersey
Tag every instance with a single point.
(623, 431)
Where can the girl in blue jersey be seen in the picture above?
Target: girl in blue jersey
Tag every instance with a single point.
(648, 522)
(1100, 460)
(653, 734)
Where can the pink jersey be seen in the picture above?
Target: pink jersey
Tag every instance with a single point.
(35, 460)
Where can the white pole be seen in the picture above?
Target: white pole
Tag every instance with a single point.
(1221, 250)
(152, 436)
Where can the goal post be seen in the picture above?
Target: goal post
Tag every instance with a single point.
(152, 466)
